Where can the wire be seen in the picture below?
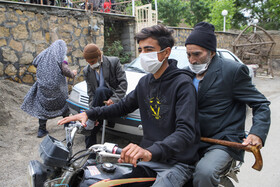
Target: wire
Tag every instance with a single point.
(74, 160)
(76, 154)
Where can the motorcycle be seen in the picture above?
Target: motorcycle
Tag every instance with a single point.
(61, 167)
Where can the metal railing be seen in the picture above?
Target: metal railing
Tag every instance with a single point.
(107, 6)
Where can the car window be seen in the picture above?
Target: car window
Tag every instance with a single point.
(181, 56)
(227, 55)
(135, 65)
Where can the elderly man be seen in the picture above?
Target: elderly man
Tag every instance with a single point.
(106, 83)
(224, 89)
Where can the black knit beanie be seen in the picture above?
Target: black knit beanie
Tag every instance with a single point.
(204, 36)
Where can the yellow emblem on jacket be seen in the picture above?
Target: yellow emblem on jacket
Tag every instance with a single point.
(155, 107)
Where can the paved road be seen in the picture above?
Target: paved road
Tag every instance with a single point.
(269, 176)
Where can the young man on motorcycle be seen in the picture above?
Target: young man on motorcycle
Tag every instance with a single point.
(167, 102)
(224, 89)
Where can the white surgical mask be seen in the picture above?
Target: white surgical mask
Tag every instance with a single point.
(95, 66)
(200, 68)
(150, 62)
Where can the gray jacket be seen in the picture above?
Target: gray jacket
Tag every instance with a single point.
(114, 77)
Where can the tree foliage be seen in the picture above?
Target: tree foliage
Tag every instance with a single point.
(171, 11)
(266, 11)
(197, 11)
(116, 49)
(216, 17)
(239, 20)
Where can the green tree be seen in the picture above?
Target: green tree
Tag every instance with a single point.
(171, 11)
(197, 11)
(216, 17)
(274, 12)
(266, 11)
(239, 20)
(116, 49)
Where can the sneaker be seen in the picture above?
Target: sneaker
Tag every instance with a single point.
(42, 133)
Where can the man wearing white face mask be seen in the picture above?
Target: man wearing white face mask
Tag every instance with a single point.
(224, 89)
(167, 102)
(106, 83)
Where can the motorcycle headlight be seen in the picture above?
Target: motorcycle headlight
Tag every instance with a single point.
(37, 173)
(31, 175)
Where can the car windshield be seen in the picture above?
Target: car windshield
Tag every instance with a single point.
(178, 54)
(135, 66)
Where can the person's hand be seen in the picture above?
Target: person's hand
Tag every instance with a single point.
(132, 153)
(253, 140)
(109, 102)
(75, 72)
(82, 117)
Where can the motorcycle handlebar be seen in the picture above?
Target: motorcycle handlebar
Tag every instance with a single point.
(112, 148)
(117, 150)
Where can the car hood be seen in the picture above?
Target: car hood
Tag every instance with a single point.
(132, 80)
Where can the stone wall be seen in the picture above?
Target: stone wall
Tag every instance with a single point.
(224, 39)
(27, 29)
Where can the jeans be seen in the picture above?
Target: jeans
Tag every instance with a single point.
(101, 94)
(210, 166)
(176, 176)
(166, 175)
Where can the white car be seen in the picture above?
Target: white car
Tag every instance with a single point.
(129, 126)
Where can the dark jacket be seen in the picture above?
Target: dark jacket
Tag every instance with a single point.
(168, 109)
(222, 97)
(114, 76)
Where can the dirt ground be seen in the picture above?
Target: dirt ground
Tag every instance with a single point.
(18, 130)
(18, 135)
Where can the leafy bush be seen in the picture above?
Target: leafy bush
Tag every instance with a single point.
(116, 49)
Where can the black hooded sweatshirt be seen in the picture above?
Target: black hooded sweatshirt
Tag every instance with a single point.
(169, 116)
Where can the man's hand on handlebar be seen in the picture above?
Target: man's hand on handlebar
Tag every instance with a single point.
(82, 117)
(253, 140)
(132, 153)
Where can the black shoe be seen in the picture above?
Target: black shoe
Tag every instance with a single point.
(42, 133)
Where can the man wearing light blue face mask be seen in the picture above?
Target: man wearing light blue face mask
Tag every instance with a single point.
(167, 102)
